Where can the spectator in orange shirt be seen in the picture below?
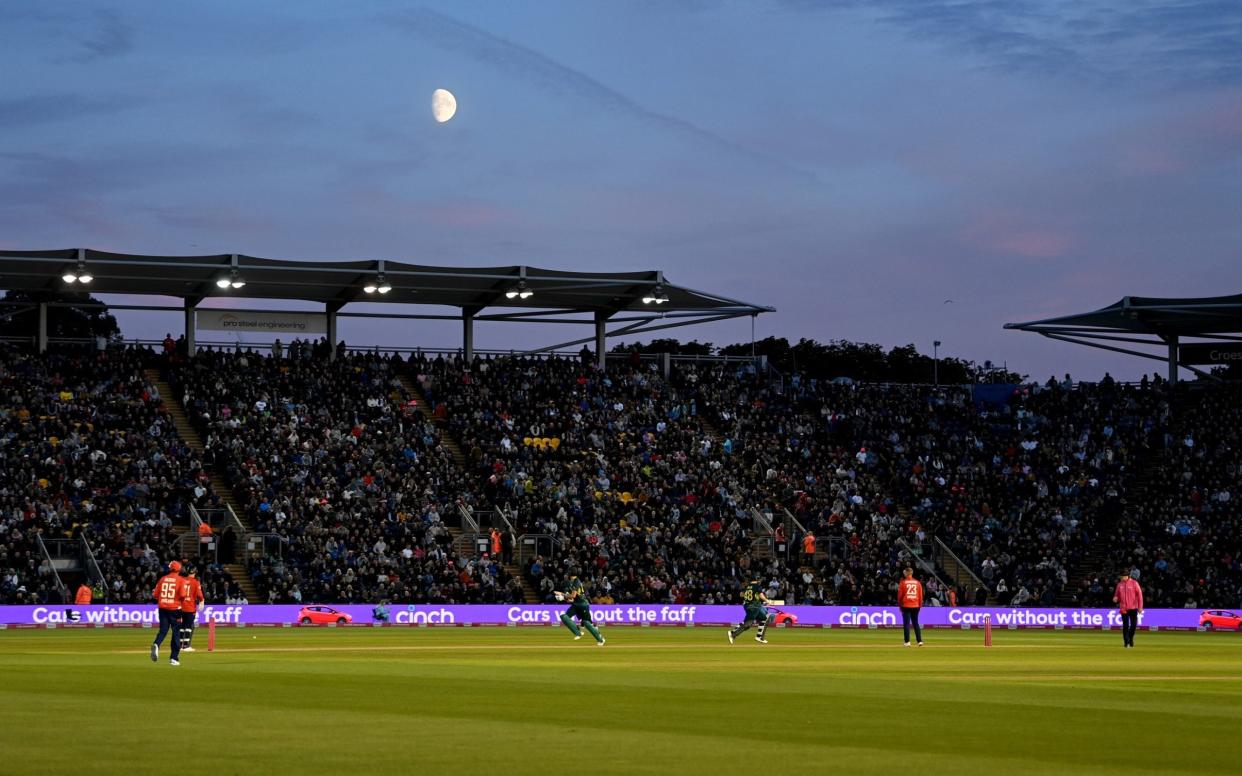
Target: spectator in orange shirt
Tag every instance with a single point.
(84, 595)
(910, 599)
(204, 533)
(808, 549)
(168, 596)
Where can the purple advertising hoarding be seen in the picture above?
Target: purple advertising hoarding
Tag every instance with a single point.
(612, 614)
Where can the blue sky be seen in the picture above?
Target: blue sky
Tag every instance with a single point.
(854, 164)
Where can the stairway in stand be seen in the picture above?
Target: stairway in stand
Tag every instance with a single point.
(242, 578)
(463, 545)
(717, 437)
(193, 440)
(957, 573)
(761, 549)
(1095, 560)
(412, 387)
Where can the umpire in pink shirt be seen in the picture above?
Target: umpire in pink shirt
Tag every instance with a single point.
(1129, 599)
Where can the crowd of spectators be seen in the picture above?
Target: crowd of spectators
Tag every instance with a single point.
(1015, 484)
(653, 489)
(1182, 538)
(87, 451)
(615, 468)
(335, 463)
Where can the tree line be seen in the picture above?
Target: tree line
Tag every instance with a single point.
(21, 319)
(862, 361)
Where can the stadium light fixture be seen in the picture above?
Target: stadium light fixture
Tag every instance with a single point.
(79, 274)
(519, 291)
(657, 296)
(231, 280)
(378, 284)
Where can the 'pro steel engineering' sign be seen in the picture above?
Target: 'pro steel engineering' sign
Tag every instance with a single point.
(277, 323)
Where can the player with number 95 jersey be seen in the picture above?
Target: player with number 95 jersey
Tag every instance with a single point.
(169, 597)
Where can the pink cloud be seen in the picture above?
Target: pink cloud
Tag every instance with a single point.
(1035, 244)
(1221, 120)
(1010, 234)
(1200, 135)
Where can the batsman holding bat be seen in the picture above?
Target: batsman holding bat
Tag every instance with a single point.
(580, 608)
(755, 602)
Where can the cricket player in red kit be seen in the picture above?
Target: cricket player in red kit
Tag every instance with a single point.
(910, 599)
(1129, 599)
(191, 602)
(168, 596)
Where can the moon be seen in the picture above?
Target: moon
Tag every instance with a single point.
(443, 105)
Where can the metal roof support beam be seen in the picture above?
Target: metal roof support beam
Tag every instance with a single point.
(21, 307)
(601, 341)
(639, 328)
(468, 334)
(529, 314)
(42, 341)
(331, 309)
(1117, 335)
(1222, 337)
(727, 300)
(1172, 341)
(1127, 351)
(585, 340)
(1113, 348)
(190, 324)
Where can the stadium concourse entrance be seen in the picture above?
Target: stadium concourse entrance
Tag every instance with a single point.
(1192, 333)
(610, 304)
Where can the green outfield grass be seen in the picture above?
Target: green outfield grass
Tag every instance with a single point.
(529, 700)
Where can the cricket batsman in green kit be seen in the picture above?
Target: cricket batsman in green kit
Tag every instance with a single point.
(754, 600)
(579, 607)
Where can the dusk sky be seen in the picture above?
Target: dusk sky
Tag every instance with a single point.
(853, 164)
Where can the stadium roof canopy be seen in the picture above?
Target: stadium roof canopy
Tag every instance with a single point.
(1212, 322)
(632, 302)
